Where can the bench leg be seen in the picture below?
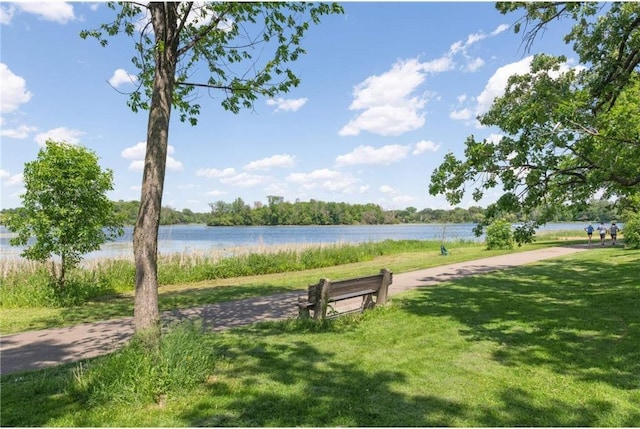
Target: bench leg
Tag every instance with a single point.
(303, 313)
(303, 309)
(367, 302)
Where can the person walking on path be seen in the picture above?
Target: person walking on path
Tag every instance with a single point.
(603, 232)
(589, 230)
(613, 230)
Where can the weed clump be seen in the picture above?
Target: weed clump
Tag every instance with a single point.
(183, 359)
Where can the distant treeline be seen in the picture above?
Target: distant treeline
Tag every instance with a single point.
(280, 212)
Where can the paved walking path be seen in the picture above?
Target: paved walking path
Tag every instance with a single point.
(41, 349)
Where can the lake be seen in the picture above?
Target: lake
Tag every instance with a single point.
(201, 238)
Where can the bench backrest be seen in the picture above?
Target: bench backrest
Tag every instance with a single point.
(344, 287)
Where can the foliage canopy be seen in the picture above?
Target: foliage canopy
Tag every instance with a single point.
(567, 132)
(65, 208)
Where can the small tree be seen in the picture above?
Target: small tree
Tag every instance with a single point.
(499, 235)
(65, 210)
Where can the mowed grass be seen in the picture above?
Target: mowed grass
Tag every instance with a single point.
(555, 343)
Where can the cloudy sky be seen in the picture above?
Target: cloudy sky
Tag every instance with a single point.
(387, 90)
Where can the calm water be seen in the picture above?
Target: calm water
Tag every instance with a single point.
(188, 238)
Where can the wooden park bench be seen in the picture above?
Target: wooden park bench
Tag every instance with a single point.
(323, 293)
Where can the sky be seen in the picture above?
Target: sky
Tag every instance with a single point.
(387, 90)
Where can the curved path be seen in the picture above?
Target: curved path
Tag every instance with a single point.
(34, 350)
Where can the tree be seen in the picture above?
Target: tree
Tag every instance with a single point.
(65, 208)
(246, 48)
(567, 132)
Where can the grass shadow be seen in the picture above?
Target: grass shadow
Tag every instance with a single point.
(328, 391)
(578, 318)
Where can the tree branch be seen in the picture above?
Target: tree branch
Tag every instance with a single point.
(204, 85)
(203, 32)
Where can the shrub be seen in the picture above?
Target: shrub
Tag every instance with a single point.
(499, 235)
(632, 230)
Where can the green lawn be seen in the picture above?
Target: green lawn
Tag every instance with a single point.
(555, 343)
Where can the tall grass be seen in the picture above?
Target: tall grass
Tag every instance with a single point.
(137, 375)
(28, 284)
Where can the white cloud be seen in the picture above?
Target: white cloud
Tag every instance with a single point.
(388, 100)
(14, 92)
(387, 120)
(500, 29)
(287, 105)
(386, 189)
(55, 11)
(283, 161)
(214, 172)
(473, 38)
(462, 47)
(370, 155)
(9, 180)
(329, 180)
(137, 165)
(21, 132)
(463, 114)
(475, 64)
(173, 164)
(494, 88)
(137, 153)
(122, 77)
(61, 134)
(6, 14)
(392, 87)
(424, 146)
(245, 180)
(215, 193)
(439, 65)
(497, 83)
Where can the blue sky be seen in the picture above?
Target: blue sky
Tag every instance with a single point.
(387, 90)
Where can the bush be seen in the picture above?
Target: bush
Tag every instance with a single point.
(499, 235)
(632, 230)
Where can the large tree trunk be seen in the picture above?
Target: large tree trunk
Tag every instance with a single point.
(145, 237)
